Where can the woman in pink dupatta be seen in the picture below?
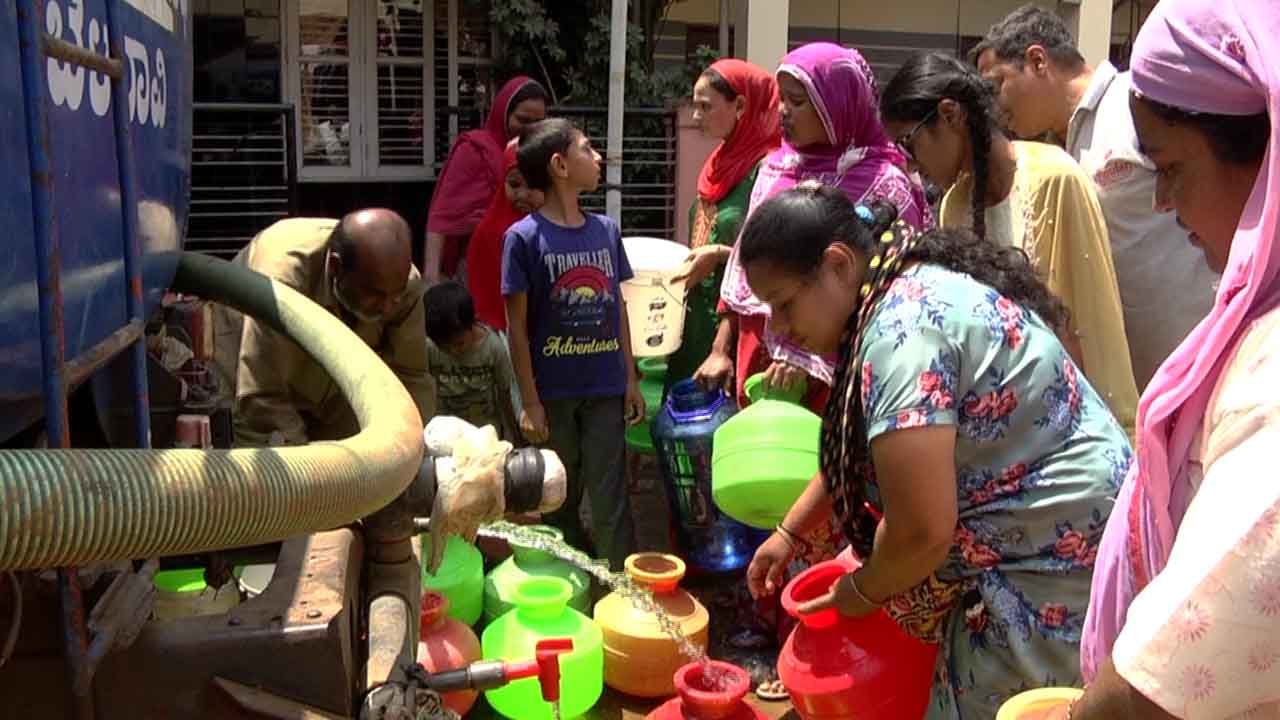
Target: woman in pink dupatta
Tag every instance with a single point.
(471, 175)
(832, 90)
(1184, 616)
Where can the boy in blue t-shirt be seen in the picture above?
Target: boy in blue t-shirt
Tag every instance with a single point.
(570, 342)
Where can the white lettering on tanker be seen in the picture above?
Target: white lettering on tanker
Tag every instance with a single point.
(99, 84)
(66, 80)
(148, 91)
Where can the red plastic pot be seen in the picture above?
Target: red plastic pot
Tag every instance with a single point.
(840, 668)
(446, 644)
(720, 698)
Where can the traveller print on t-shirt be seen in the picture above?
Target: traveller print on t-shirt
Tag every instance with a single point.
(583, 304)
(571, 277)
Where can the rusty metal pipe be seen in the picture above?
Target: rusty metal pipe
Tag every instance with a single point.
(76, 507)
(394, 603)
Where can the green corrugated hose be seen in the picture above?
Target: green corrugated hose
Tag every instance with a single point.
(61, 508)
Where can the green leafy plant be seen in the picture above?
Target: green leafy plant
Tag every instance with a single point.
(529, 38)
(567, 45)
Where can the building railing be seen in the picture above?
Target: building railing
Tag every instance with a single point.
(648, 164)
(243, 173)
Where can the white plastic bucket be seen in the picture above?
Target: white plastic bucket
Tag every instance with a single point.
(655, 304)
(255, 578)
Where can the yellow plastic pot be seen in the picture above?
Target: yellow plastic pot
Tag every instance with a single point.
(1032, 704)
(640, 658)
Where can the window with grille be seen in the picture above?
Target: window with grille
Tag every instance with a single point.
(463, 60)
(359, 76)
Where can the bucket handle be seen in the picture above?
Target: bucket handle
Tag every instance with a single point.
(666, 289)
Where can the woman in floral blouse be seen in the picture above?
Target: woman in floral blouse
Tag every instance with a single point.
(967, 458)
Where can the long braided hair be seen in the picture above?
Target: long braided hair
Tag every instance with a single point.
(913, 95)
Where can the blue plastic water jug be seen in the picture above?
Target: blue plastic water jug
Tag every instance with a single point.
(706, 538)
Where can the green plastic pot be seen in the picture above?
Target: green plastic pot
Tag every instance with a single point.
(542, 612)
(526, 562)
(185, 580)
(182, 593)
(460, 578)
(653, 377)
(763, 457)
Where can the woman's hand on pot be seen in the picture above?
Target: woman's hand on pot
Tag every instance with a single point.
(769, 565)
(844, 597)
(783, 376)
(716, 371)
(700, 264)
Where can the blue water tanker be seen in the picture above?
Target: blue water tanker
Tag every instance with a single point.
(95, 102)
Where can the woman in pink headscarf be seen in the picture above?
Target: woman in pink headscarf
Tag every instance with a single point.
(831, 133)
(1184, 617)
(472, 173)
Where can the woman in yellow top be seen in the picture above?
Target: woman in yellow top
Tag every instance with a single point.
(1035, 197)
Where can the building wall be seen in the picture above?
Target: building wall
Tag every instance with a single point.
(972, 17)
(886, 39)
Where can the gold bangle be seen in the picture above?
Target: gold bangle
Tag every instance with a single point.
(853, 583)
(797, 543)
(787, 540)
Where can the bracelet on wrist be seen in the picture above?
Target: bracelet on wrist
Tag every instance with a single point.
(853, 583)
(790, 545)
(798, 544)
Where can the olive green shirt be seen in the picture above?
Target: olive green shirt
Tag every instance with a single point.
(280, 394)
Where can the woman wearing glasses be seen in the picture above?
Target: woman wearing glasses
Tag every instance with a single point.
(1031, 196)
(831, 134)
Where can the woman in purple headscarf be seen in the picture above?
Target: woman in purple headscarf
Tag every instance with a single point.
(832, 134)
(1184, 617)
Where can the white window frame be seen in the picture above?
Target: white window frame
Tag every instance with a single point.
(362, 79)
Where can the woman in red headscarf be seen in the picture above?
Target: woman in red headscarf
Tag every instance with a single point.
(513, 200)
(472, 174)
(736, 102)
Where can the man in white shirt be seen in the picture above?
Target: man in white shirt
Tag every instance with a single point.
(1045, 88)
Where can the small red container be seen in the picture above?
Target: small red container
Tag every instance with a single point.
(719, 699)
(840, 668)
(446, 644)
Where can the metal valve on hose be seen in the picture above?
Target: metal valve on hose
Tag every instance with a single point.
(420, 698)
(470, 477)
(532, 482)
(490, 674)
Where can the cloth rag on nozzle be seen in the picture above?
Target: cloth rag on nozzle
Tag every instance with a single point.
(470, 481)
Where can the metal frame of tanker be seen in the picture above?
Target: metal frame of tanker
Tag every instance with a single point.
(339, 617)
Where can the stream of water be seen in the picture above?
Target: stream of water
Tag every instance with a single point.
(618, 582)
